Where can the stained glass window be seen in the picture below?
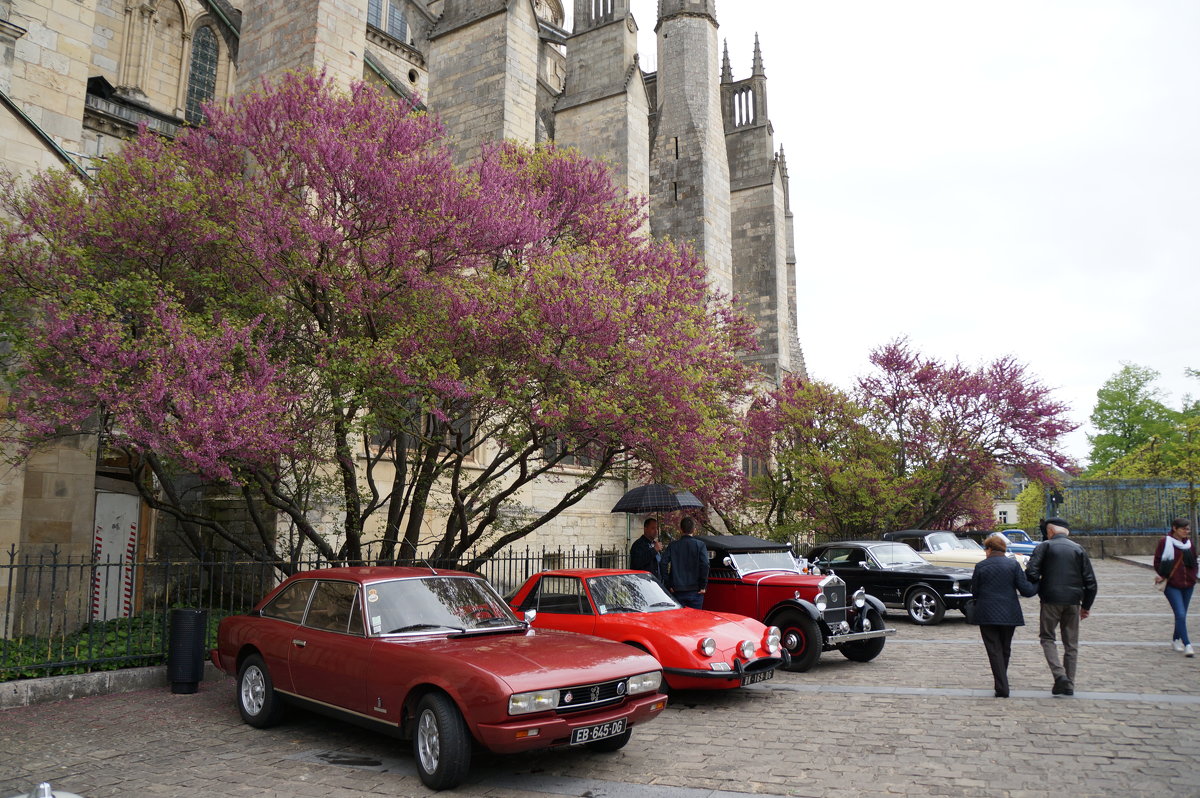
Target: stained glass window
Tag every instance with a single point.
(202, 77)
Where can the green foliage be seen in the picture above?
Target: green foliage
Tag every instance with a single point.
(98, 646)
(1031, 505)
(1129, 416)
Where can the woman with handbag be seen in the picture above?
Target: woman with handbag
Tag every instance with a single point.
(1175, 566)
(997, 581)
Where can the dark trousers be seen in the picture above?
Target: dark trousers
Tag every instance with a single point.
(997, 641)
(690, 598)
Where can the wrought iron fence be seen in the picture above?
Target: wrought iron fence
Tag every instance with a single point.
(1125, 506)
(70, 614)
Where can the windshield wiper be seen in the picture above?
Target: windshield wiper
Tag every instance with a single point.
(414, 627)
(621, 608)
(663, 604)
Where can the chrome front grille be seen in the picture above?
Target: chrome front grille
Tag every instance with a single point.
(590, 696)
(835, 600)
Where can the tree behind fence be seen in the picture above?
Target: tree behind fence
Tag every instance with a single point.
(63, 614)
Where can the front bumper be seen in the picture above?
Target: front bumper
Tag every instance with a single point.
(554, 730)
(955, 601)
(730, 678)
(836, 639)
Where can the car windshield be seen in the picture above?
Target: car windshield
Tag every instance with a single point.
(747, 562)
(1018, 537)
(629, 593)
(971, 543)
(948, 541)
(433, 603)
(891, 555)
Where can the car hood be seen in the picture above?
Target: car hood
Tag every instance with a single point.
(954, 572)
(541, 659)
(690, 625)
(962, 559)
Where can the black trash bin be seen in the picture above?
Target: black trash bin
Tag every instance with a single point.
(185, 650)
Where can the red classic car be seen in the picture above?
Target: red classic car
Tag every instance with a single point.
(698, 649)
(435, 656)
(762, 579)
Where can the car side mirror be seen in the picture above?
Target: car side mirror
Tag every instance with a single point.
(530, 615)
(727, 562)
(865, 564)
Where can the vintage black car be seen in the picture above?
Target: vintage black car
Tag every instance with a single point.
(898, 575)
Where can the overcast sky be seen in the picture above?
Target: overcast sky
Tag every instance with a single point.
(988, 178)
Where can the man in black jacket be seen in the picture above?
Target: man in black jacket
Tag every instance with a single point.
(1067, 587)
(645, 553)
(686, 567)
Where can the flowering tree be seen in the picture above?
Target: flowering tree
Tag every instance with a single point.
(918, 445)
(826, 469)
(305, 302)
(952, 426)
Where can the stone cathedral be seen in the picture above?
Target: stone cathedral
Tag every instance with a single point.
(78, 76)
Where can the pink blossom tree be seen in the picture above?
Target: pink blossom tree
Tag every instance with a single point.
(306, 303)
(918, 444)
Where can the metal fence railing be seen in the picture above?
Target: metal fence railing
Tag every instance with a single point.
(70, 614)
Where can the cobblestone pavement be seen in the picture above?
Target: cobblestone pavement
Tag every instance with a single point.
(918, 721)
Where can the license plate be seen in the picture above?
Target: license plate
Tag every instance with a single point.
(761, 676)
(589, 734)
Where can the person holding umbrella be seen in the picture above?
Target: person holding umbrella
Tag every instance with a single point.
(686, 567)
(646, 552)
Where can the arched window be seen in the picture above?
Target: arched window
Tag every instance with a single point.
(202, 78)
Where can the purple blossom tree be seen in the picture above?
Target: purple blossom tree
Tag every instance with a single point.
(306, 304)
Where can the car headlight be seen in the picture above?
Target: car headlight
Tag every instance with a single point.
(747, 648)
(537, 701)
(644, 683)
(821, 601)
(860, 598)
(771, 639)
(707, 646)
(955, 588)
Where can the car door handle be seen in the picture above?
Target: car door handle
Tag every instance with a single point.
(299, 643)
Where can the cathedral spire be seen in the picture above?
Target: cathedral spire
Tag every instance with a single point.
(726, 69)
(759, 72)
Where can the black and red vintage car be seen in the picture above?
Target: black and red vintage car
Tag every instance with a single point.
(761, 579)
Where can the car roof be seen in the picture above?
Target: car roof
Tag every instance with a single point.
(853, 543)
(587, 573)
(741, 543)
(364, 574)
(908, 533)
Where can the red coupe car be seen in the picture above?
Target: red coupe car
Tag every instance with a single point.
(435, 656)
(698, 649)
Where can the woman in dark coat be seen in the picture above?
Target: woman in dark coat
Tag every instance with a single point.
(997, 581)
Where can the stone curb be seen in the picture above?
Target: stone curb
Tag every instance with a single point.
(26, 692)
(1143, 562)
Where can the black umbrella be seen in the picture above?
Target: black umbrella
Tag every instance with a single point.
(656, 499)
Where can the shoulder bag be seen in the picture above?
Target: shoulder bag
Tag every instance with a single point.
(1161, 587)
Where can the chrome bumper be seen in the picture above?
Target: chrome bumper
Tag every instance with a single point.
(849, 637)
